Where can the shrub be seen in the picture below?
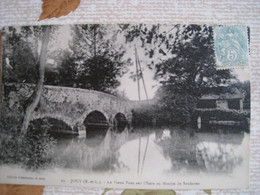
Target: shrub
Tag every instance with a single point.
(37, 149)
(143, 117)
(222, 115)
(33, 150)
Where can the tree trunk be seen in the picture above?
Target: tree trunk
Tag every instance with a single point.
(35, 98)
(95, 41)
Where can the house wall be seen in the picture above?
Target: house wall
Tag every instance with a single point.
(222, 104)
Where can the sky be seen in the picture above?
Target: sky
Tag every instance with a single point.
(130, 87)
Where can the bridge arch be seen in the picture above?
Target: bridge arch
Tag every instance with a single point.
(96, 124)
(120, 122)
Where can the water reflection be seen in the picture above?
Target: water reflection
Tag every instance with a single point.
(96, 126)
(180, 147)
(154, 152)
(202, 151)
(152, 159)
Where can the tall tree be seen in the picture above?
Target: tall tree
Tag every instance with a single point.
(35, 98)
(89, 40)
(97, 59)
(186, 65)
(184, 53)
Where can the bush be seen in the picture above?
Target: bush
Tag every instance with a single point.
(38, 149)
(143, 117)
(33, 150)
(222, 115)
(154, 115)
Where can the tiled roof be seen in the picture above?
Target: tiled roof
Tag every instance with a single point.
(223, 93)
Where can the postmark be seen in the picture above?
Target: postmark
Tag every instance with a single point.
(231, 47)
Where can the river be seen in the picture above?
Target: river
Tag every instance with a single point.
(154, 151)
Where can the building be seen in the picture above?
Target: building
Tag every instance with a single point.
(222, 98)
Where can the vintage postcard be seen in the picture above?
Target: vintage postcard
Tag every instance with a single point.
(126, 106)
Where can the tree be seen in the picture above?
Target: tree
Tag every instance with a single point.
(244, 88)
(89, 40)
(96, 60)
(19, 56)
(190, 71)
(186, 54)
(63, 71)
(25, 62)
(35, 98)
(186, 66)
(22, 54)
(100, 73)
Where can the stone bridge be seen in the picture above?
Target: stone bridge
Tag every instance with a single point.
(77, 108)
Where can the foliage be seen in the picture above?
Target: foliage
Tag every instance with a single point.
(244, 88)
(11, 111)
(65, 72)
(21, 53)
(176, 108)
(222, 115)
(185, 76)
(156, 115)
(186, 65)
(144, 116)
(32, 151)
(39, 149)
(52, 77)
(100, 73)
(90, 40)
(19, 57)
(120, 94)
(94, 60)
(9, 140)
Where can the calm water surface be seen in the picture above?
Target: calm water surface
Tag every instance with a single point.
(155, 151)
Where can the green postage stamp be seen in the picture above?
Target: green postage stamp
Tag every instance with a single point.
(231, 47)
